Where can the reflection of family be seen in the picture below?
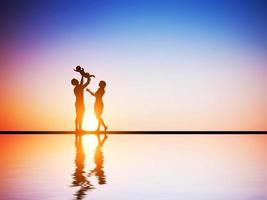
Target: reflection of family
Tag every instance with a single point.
(79, 104)
(81, 179)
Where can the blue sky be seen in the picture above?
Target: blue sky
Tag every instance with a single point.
(240, 20)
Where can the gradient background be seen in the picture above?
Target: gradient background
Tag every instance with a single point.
(169, 65)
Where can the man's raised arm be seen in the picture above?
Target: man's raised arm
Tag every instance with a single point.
(81, 82)
(87, 83)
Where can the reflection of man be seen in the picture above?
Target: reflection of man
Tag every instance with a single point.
(99, 161)
(79, 178)
(79, 104)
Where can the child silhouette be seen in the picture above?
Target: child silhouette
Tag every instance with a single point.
(81, 71)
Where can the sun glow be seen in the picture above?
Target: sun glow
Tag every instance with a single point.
(89, 143)
(89, 122)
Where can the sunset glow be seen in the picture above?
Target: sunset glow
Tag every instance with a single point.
(89, 122)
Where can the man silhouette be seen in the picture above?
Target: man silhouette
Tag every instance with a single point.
(79, 104)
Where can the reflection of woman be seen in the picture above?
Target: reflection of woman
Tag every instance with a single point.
(79, 178)
(99, 161)
(99, 106)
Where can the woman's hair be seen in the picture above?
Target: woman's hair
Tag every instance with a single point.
(74, 81)
(102, 84)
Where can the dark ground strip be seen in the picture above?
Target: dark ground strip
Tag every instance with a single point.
(136, 132)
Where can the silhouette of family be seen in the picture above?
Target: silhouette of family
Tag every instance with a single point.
(79, 104)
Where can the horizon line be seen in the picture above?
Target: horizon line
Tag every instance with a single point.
(137, 132)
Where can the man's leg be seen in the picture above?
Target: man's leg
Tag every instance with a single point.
(81, 120)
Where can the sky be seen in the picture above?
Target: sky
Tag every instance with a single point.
(169, 65)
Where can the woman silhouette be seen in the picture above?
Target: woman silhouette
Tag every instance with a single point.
(99, 106)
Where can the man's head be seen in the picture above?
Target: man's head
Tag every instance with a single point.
(74, 82)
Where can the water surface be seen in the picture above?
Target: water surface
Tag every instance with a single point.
(195, 167)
